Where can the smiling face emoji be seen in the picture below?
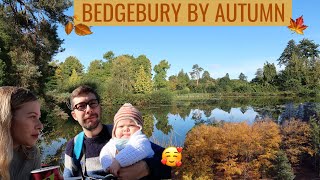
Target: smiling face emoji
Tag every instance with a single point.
(171, 156)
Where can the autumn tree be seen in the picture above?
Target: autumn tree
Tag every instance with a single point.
(231, 151)
(172, 83)
(74, 78)
(143, 61)
(296, 140)
(142, 74)
(143, 82)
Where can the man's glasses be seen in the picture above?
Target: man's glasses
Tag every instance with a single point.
(93, 103)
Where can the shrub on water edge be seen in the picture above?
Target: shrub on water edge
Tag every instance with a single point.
(156, 97)
(161, 97)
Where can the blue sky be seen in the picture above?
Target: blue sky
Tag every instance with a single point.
(217, 49)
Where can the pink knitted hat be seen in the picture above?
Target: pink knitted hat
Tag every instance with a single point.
(127, 111)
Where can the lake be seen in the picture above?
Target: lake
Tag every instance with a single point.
(168, 124)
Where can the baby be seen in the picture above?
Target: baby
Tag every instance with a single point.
(128, 144)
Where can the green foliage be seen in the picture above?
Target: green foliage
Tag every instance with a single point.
(161, 97)
(29, 38)
(269, 73)
(108, 56)
(71, 63)
(195, 73)
(143, 61)
(308, 49)
(287, 53)
(2, 72)
(183, 91)
(96, 71)
(282, 169)
(182, 80)
(122, 73)
(242, 77)
(161, 74)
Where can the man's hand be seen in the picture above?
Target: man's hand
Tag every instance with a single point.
(114, 167)
(135, 171)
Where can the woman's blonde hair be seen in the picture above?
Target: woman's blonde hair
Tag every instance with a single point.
(11, 100)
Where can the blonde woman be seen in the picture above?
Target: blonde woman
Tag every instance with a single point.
(19, 131)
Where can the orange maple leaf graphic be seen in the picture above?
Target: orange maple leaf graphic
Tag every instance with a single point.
(297, 26)
(68, 28)
(82, 29)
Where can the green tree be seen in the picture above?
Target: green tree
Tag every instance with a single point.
(161, 74)
(122, 73)
(206, 82)
(282, 168)
(206, 77)
(108, 55)
(287, 53)
(71, 63)
(293, 76)
(308, 49)
(224, 83)
(259, 76)
(269, 73)
(242, 77)
(31, 39)
(182, 80)
(315, 135)
(143, 82)
(143, 61)
(196, 71)
(2, 72)
(96, 71)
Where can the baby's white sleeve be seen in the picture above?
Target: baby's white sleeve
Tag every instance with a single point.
(137, 148)
(107, 154)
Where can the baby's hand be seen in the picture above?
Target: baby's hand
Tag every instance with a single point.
(114, 167)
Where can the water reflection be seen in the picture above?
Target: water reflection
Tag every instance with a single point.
(168, 125)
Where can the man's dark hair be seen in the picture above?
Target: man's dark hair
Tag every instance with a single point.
(84, 89)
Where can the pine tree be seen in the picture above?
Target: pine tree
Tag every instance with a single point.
(282, 167)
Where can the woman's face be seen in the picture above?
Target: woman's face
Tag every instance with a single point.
(26, 126)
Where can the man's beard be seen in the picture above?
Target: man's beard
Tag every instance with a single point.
(91, 126)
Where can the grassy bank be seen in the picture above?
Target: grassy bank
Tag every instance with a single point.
(204, 96)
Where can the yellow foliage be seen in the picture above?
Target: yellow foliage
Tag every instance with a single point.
(234, 150)
(296, 140)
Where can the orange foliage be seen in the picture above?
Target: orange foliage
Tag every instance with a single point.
(234, 150)
(296, 140)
